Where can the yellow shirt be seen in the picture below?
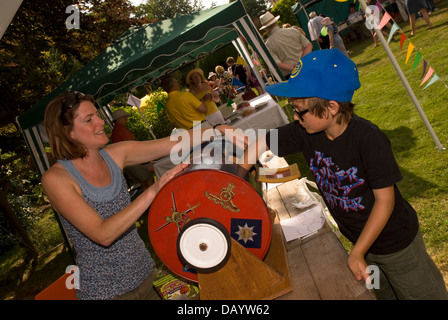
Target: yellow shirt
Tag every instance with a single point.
(211, 105)
(181, 109)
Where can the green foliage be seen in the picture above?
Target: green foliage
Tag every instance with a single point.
(38, 52)
(153, 108)
(153, 111)
(254, 8)
(25, 197)
(167, 9)
(283, 8)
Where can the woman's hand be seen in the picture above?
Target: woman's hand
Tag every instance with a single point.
(168, 175)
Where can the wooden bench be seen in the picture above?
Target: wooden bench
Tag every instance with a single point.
(317, 264)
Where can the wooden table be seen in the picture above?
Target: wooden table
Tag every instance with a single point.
(317, 264)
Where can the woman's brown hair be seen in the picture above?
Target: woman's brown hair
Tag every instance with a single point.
(58, 121)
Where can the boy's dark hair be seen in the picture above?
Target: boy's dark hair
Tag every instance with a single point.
(230, 60)
(319, 107)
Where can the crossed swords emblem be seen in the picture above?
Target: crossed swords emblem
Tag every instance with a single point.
(179, 218)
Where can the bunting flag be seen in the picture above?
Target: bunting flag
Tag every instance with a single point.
(424, 68)
(416, 60)
(434, 79)
(240, 61)
(379, 6)
(428, 75)
(394, 28)
(160, 105)
(403, 38)
(384, 20)
(134, 101)
(410, 48)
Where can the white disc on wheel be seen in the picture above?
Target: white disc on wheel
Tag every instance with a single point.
(203, 246)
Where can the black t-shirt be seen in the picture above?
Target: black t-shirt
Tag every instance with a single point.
(238, 69)
(346, 170)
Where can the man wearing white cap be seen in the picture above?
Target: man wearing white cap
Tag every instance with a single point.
(286, 45)
(314, 27)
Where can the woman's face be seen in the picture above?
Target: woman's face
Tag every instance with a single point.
(88, 127)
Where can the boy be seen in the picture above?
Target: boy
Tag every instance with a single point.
(356, 172)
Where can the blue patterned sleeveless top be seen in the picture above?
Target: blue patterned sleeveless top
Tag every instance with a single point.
(106, 272)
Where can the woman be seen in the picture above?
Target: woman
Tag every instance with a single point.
(335, 39)
(87, 188)
(201, 89)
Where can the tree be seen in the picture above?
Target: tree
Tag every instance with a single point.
(283, 8)
(38, 52)
(167, 9)
(254, 8)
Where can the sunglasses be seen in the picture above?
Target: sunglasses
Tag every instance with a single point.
(300, 113)
(70, 100)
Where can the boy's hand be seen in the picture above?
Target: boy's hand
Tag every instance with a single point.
(358, 265)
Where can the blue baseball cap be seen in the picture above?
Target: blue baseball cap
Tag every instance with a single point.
(327, 74)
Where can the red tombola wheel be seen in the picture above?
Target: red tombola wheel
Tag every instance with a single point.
(207, 193)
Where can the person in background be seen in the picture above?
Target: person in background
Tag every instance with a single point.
(238, 71)
(431, 6)
(225, 88)
(288, 25)
(358, 28)
(212, 80)
(401, 5)
(287, 46)
(333, 34)
(414, 6)
(356, 172)
(314, 28)
(201, 89)
(139, 173)
(182, 107)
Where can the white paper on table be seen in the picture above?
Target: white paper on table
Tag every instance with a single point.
(304, 224)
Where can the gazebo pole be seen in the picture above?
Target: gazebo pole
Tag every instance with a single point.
(401, 75)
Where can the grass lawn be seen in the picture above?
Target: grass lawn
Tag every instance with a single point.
(383, 100)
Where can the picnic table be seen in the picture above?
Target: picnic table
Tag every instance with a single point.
(317, 264)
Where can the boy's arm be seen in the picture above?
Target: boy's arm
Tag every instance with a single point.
(253, 152)
(379, 216)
